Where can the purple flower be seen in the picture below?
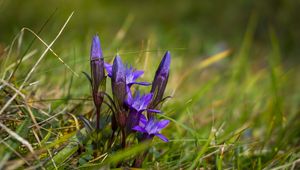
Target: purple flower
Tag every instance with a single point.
(151, 127)
(131, 75)
(97, 72)
(96, 51)
(98, 78)
(137, 105)
(108, 68)
(97, 64)
(133, 119)
(160, 80)
(118, 82)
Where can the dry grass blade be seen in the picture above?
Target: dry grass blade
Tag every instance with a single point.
(60, 59)
(75, 120)
(13, 88)
(17, 153)
(36, 64)
(17, 137)
(286, 166)
(50, 118)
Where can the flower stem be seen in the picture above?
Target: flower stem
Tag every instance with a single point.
(140, 159)
(98, 118)
(123, 138)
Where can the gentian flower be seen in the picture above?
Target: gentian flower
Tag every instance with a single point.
(118, 85)
(151, 127)
(137, 105)
(160, 81)
(97, 75)
(131, 75)
(97, 64)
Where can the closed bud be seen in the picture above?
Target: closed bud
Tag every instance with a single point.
(97, 66)
(118, 83)
(160, 81)
(97, 76)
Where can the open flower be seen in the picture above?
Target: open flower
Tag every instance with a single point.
(137, 105)
(151, 127)
(131, 75)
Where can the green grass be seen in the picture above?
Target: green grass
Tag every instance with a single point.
(237, 109)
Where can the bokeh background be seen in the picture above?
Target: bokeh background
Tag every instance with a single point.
(194, 25)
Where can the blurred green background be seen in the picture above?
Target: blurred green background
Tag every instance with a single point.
(200, 27)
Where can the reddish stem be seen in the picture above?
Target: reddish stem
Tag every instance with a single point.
(98, 118)
(123, 138)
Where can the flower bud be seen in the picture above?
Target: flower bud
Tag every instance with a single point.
(118, 83)
(97, 66)
(160, 81)
(97, 76)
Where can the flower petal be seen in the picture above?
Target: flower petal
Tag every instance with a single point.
(96, 51)
(163, 123)
(143, 120)
(164, 66)
(108, 68)
(140, 83)
(136, 74)
(140, 129)
(162, 137)
(129, 99)
(118, 82)
(154, 110)
(147, 98)
(161, 79)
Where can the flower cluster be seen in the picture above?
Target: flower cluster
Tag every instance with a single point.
(132, 106)
(132, 112)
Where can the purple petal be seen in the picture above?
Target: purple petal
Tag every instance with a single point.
(154, 110)
(140, 103)
(143, 120)
(118, 82)
(97, 66)
(140, 129)
(161, 78)
(129, 100)
(136, 74)
(164, 66)
(147, 98)
(151, 126)
(96, 51)
(118, 70)
(140, 83)
(108, 68)
(162, 137)
(163, 123)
